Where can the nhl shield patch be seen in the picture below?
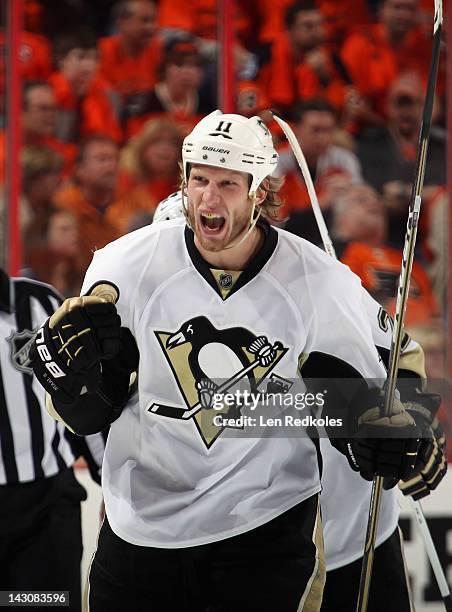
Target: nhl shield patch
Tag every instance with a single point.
(20, 344)
(226, 280)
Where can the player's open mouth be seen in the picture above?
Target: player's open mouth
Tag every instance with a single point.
(212, 223)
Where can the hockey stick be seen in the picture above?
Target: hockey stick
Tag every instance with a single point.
(425, 128)
(299, 155)
(402, 298)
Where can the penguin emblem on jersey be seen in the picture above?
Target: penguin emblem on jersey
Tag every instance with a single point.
(20, 344)
(208, 362)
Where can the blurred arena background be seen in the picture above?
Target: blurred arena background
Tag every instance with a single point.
(96, 97)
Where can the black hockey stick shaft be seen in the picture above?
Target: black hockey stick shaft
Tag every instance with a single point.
(402, 298)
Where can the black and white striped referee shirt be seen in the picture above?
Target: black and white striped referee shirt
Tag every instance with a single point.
(32, 444)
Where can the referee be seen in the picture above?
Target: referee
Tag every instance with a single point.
(40, 512)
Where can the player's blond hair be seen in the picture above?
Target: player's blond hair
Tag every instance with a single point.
(272, 203)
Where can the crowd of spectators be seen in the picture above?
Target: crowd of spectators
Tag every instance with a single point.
(111, 88)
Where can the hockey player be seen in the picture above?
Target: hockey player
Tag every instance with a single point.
(345, 495)
(196, 518)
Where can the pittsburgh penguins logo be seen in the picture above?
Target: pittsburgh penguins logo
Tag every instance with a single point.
(20, 344)
(207, 363)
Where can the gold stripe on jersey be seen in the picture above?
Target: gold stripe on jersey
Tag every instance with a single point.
(225, 280)
(311, 600)
(301, 361)
(414, 361)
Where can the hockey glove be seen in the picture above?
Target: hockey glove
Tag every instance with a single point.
(431, 465)
(422, 406)
(92, 412)
(68, 348)
(382, 446)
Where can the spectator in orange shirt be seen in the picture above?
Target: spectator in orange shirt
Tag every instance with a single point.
(378, 53)
(360, 223)
(92, 196)
(85, 103)
(301, 66)
(129, 60)
(176, 95)
(333, 168)
(150, 164)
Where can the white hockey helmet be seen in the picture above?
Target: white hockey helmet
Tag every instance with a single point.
(169, 208)
(233, 142)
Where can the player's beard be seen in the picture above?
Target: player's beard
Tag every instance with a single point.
(236, 226)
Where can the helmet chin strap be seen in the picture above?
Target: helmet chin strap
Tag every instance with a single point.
(252, 223)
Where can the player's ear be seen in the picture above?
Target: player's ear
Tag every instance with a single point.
(261, 192)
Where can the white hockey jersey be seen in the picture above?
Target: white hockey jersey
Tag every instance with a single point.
(345, 497)
(170, 478)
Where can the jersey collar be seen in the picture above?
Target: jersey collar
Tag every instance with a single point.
(256, 264)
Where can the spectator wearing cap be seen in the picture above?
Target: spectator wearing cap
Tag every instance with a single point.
(176, 95)
(150, 164)
(129, 60)
(86, 104)
(388, 153)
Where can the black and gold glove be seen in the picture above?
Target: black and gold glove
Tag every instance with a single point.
(382, 445)
(70, 345)
(431, 465)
